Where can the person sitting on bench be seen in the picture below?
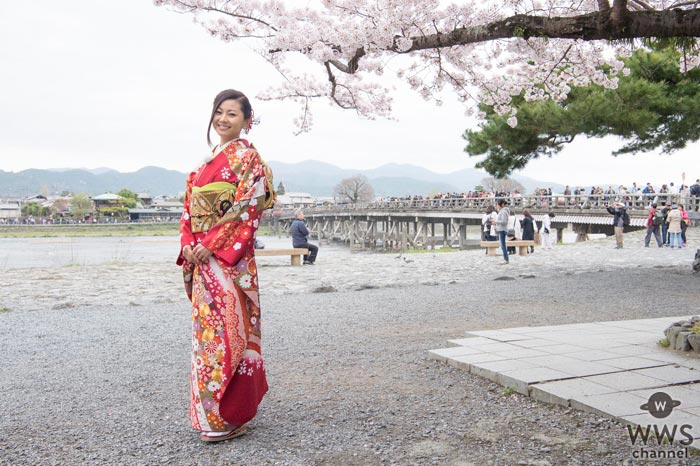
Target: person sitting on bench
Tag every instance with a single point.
(300, 238)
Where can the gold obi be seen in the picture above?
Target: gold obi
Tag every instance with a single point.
(209, 203)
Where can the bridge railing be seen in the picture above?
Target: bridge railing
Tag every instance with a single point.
(573, 203)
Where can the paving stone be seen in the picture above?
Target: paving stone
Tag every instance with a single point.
(626, 381)
(690, 399)
(631, 350)
(562, 391)
(646, 339)
(521, 379)
(593, 355)
(466, 361)
(498, 335)
(585, 368)
(521, 330)
(672, 374)
(561, 349)
(693, 411)
(520, 353)
(510, 337)
(444, 353)
(496, 347)
(597, 329)
(572, 366)
(689, 362)
(535, 343)
(632, 362)
(551, 360)
(692, 386)
(502, 366)
(473, 341)
(671, 356)
(611, 404)
(641, 324)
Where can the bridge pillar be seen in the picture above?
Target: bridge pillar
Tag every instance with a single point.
(462, 236)
(560, 235)
(404, 236)
(581, 232)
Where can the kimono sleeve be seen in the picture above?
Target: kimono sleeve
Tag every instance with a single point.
(234, 234)
(186, 235)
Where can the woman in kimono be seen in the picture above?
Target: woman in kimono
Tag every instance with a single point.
(224, 201)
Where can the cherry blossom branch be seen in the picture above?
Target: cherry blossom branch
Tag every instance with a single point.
(588, 27)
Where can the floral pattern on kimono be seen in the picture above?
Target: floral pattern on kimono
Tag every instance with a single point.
(228, 373)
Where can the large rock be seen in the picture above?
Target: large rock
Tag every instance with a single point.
(694, 341)
(672, 334)
(681, 343)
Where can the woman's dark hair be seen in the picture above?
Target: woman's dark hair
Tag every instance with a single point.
(489, 209)
(526, 213)
(229, 94)
(501, 202)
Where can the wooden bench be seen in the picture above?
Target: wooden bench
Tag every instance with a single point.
(296, 253)
(521, 244)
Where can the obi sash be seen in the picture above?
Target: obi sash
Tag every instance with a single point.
(209, 203)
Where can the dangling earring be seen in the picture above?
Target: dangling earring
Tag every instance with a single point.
(247, 129)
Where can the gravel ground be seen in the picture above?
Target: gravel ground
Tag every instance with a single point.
(350, 379)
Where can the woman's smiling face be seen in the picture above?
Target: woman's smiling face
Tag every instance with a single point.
(229, 120)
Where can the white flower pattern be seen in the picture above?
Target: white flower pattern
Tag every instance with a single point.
(245, 281)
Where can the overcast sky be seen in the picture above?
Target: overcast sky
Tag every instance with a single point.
(124, 84)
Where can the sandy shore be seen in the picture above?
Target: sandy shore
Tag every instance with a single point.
(140, 273)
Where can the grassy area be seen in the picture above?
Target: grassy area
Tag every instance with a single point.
(108, 229)
(116, 229)
(3, 310)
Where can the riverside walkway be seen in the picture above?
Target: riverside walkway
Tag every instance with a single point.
(609, 368)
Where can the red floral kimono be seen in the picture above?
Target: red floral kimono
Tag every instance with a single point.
(223, 205)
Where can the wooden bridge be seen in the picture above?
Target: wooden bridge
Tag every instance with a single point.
(427, 223)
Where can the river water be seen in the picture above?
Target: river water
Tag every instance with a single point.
(94, 250)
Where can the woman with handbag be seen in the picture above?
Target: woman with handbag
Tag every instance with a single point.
(224, 200)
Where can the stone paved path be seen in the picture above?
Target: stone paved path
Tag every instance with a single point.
(609, 368)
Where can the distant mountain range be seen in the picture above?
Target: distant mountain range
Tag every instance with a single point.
(310, 176)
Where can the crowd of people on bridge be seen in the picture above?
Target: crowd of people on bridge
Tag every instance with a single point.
(583, 197)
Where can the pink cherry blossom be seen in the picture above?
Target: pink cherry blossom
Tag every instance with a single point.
(480, 51)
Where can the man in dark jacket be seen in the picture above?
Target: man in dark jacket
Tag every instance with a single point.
(620, 220)
(300, 238)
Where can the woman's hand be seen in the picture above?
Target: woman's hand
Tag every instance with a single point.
(201, 253)
(189, 255)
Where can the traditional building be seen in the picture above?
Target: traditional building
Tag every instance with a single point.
(10, 211)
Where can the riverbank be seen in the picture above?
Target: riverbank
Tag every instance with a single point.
(97, 229)
(60, 273)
